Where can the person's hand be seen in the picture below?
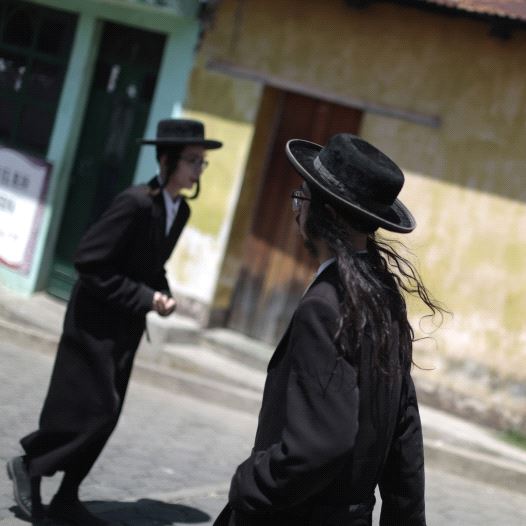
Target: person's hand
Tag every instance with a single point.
(162, 304)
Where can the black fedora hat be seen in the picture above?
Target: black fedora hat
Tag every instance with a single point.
(354, 176)
(181, 132)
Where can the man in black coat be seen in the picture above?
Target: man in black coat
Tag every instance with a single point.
(120, 262)
(339, 414)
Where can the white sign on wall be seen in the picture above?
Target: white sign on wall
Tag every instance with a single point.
(23, 186)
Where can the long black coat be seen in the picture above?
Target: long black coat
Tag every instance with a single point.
(120, 261)
(329, 432)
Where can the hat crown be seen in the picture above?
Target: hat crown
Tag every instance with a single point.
(180, 129)
(354, 176)
(360, 172)
(182, 132)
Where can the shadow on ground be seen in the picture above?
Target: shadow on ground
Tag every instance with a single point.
(139, 513)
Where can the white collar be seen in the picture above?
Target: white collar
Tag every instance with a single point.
(321, 268)
(171, 207)
(169, 201)
(324, 265)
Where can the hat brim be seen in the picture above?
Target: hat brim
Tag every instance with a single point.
(302, 153)
(208, 144)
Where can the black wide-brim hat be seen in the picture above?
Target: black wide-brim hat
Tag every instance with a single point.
(355, 177)
(182, 132)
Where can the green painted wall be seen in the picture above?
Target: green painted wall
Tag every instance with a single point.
(178, 21)
(465, 178)
(61, 151)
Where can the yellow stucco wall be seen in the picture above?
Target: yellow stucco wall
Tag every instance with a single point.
(465, 178)
(227, 108)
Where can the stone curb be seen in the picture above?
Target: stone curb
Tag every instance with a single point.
(452, 459)
(13, 521)
(476, 466)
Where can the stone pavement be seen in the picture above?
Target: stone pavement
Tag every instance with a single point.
(184, 449)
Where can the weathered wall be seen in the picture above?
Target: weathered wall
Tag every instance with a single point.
(227, 107)
(464, 178)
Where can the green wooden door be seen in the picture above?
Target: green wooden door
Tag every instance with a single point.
(117, 110)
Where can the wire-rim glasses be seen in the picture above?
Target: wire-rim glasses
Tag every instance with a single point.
(297, 197)
(197, 162)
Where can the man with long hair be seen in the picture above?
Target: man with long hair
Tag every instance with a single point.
(339, 414)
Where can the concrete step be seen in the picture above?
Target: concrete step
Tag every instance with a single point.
(41, 312)
(208, 363)
(196, 385)
(455, 432)
(174, 328)
(252, 353)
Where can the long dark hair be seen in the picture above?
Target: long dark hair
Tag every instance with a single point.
(372, 304)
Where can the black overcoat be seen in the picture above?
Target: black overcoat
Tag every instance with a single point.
(120, 261)
(329, 433)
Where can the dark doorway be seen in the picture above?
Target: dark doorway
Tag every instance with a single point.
(119, 102)
(276, 266)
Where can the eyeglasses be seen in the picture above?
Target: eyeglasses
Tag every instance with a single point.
(297, 197)
(197, 162)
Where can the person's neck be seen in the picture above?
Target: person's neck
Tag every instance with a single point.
(172, 190)
(359, 244)
(323, 252)
(174, 194)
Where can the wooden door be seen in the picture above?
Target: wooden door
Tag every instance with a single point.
(276, 266)
(119, 103)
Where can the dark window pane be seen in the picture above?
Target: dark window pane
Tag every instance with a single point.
(132, 45)
(148, 87)
(35, 128)
(7, 119)
(45, 81)
(52, 37)
(12, 72)
(19, 29)
(30, 87)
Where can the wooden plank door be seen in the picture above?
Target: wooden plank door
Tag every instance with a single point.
(276, 266)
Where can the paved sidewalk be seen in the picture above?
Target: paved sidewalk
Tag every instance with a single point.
(229, 369)
(171, 457)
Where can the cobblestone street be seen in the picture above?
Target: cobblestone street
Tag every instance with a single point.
(171, 458)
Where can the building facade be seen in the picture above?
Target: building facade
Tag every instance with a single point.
(439, 86)
(80, 81)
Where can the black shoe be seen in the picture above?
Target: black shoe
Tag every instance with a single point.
(74, 513)
(24, 489)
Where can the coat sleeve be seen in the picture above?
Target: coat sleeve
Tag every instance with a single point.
(321, 421)
(100, 249)
(402, 482)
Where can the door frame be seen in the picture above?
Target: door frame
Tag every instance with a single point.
(266, 127)
(82, 195)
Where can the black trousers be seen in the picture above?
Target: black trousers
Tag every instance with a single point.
(85, 396)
